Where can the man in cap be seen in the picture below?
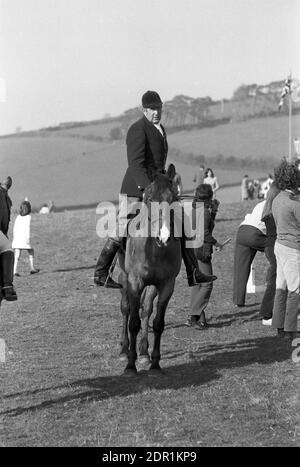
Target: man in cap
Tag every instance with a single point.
(147, 150)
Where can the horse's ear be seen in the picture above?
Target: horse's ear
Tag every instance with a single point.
(171, 171)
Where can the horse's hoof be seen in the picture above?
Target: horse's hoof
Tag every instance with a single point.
(144, 359)
(130, 372)
(144, 362)
(155, 370)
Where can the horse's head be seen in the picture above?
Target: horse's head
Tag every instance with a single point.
(161, 189)
(158, 196)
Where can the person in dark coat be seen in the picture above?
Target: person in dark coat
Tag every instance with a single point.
(250, 238)
(266, 308)
(6, 251)
(201, 292)
(147, 150)
(244, 187)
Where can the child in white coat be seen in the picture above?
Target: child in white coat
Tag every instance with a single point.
(21, 236)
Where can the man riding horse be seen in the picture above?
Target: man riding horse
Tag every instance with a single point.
(147, 150)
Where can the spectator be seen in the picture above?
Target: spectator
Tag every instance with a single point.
(257, 189)
(47, 208)
(286, 212)
(201, 292)
(265, 186)
(6, 185)
(250, 189)
(269, 295)
(297, 162)
(6, 252)
(44, 209)
(21, 237)
(244, 187)
(297, 147)
(199, 175)
(210, 179)
(251, 237)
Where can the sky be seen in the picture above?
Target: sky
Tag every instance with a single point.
(79, 60)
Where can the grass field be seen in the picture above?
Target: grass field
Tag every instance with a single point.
(63, 385)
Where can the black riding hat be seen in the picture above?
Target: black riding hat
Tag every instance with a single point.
(151, 100)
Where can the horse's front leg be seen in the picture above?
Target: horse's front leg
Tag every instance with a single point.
(165, 292)
(148, 297)
(134, 297)
(125, 315)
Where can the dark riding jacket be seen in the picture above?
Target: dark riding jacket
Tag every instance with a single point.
(5, 207)
(147, 152)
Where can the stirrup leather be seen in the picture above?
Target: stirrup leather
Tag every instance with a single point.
(110, 271)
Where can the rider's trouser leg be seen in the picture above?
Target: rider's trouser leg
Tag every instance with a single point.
(103, 270)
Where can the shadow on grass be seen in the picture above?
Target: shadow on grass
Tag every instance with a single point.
(228, 219)
(79, 268)
(206, 364)
(242, 313)
(263, 350)
(221, 321)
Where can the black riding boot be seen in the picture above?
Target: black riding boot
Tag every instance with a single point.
(194, 275)
(7, 271)
(102, 270)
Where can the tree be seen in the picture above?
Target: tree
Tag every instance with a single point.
(115, 133)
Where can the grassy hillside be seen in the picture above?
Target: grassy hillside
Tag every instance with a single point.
(93, 131)
(78, 169)
(254, 139)
(69, 171)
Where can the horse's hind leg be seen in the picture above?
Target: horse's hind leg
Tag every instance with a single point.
(148, 297)
(164, 294)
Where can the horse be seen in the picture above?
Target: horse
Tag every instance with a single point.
(149, 266)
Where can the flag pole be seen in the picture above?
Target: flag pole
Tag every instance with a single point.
(290, 116)
(290, 126)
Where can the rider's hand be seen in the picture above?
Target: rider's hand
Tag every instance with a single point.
(218, 246)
